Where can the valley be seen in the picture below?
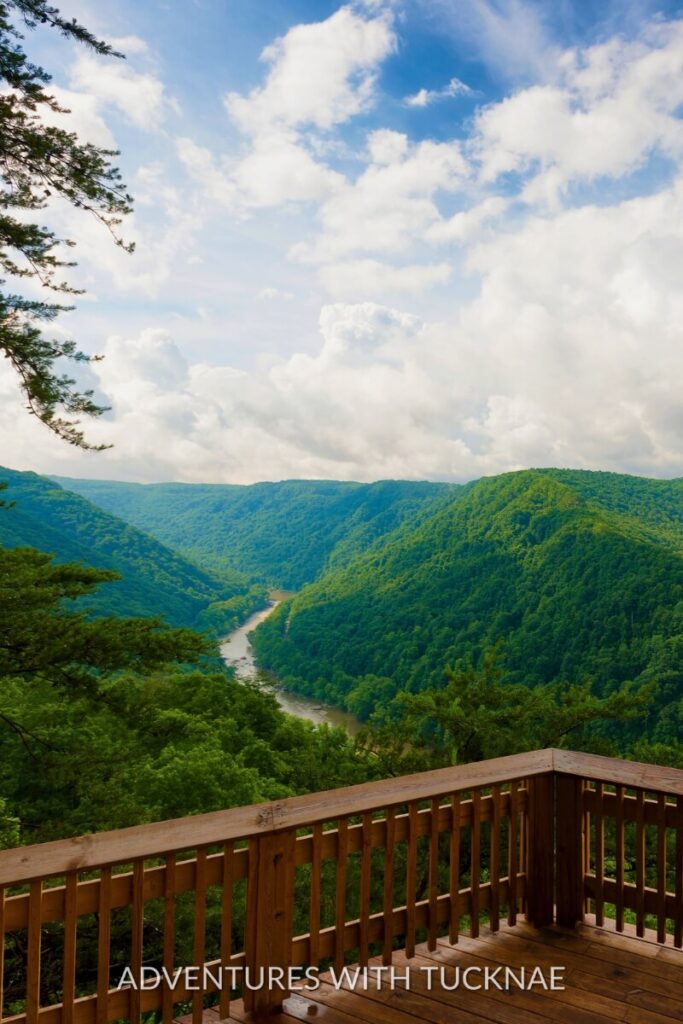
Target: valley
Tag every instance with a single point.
(541, 607)
(238, 653)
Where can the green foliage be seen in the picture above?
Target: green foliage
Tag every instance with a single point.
(477, 715)
(40, 161)
(43, 637)
(153, 579)
(282, 534)
(103, 723)
(580, 574)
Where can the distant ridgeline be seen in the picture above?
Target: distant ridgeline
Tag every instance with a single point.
(579, 574)
(282, 534)
(154, 579)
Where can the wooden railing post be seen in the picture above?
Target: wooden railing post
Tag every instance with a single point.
(540, 868)
(270, 903)
(569, 846)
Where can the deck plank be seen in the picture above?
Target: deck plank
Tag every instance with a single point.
(609, 978)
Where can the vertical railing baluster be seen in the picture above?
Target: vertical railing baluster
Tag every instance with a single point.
(495, 859)
(599, 856)
(388, 922)
(620, 854)
(365, 880)
(103, 945)
(2, 952)
(454, 866)
(314, 917)
(70, 926)
(586, 844)
(661, 868)
(199, 954)
(340, 908)
(226, 927)
(640, 863)
(524, 850)
(411, 879)
(678, 918)
(475, 866)
(138, 916)
(513, 853)
(433, 873)
(33, 952)
(169, 936)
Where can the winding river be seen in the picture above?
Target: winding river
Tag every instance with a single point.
(237, 652)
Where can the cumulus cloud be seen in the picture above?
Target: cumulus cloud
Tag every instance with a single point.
(611, 107)
(139, 95)
(423, 97)
(391, 203)
(570, 354)
(319, 75)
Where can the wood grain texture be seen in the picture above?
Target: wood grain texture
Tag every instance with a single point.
(156, 840)
(570, 851)
(540, 853)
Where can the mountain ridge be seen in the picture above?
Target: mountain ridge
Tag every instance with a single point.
(548, 561)
(154, 579)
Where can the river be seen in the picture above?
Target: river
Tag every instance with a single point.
(237, 652)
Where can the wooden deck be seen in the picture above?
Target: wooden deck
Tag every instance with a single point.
(608, 977)
(326, 877)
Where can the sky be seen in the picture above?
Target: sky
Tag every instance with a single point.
(425, 239)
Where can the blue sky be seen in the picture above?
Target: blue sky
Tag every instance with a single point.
(392, 238)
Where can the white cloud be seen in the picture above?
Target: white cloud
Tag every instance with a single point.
(570, 354)
(423, 97)
(466, 225)
(84, 117)
(129, 45)
(278, 169)
(359, 279)
(391, 204)
(610, 108)
(140, 96)
(320, 74)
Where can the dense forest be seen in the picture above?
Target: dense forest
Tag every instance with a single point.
(283, 534)
(575, 576)
(107, 721)
(535, 608)
(153, 579)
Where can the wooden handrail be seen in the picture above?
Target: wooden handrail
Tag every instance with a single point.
(46, 860)
(632, 774)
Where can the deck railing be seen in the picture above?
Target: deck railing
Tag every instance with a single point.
(334, 877)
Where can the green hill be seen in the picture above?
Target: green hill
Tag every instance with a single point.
(283, 534)
(154, 579)
(580, 574)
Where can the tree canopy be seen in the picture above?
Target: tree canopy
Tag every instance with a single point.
(40, 161)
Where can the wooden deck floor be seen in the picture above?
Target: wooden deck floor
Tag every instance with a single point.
(608, 977)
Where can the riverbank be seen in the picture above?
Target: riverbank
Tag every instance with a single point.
(237, 652)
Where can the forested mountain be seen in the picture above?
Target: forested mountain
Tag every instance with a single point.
(579, 574)
(283, 534)
(154, 580)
